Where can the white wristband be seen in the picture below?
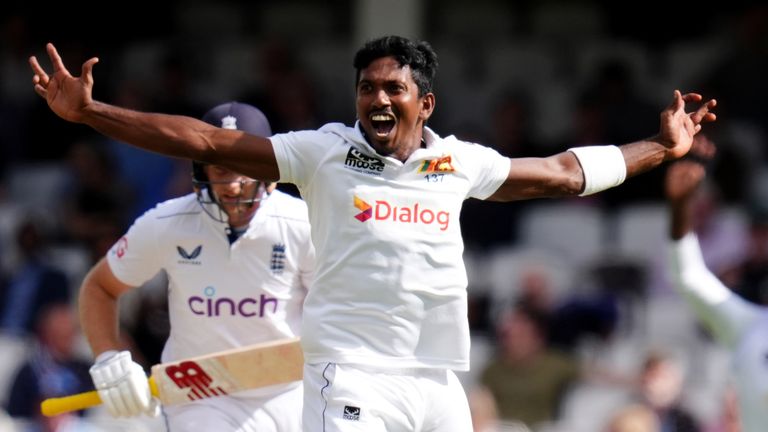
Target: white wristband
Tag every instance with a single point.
(603, 166)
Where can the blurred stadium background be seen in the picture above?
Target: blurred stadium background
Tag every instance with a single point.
(528, 78)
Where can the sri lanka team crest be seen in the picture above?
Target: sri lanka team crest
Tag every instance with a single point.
(440, 165)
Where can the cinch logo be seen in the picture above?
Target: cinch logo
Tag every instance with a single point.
(189, 374)
(383, 210)
(442, 164)
(210, 306)
(187, 257)
(362, 163)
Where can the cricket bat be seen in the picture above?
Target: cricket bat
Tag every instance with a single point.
(206, 376)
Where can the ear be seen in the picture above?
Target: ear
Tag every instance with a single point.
(427, 106)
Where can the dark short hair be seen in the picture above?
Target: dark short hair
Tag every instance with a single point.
(418, 55)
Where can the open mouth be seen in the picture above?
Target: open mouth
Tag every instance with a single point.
(382, 124)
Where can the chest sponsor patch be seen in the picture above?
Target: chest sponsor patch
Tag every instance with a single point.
(359, 162)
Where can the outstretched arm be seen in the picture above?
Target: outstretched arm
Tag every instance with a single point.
(727, 315)
(682, 181)
(565, 174)
(185, 137)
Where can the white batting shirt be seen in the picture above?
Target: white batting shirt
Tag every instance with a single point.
(221, 296)
(390, 284)
(740, 325)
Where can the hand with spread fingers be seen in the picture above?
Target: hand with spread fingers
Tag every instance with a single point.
(66, 95)
(678, 127)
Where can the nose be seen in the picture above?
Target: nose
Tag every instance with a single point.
(381, 99)
(235, 184)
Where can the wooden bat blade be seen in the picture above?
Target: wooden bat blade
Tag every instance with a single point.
(230, 371)
(210, 375)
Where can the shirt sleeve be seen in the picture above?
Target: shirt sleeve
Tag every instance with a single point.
(134, 259)
(297, 155)
(725, 313)
(487, 170)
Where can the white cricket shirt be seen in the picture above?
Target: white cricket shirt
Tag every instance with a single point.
(741, 325)
(221, 296)
(390, 284)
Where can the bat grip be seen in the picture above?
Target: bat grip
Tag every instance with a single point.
(60, 405)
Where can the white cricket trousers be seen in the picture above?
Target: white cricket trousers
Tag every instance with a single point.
(274, 413)
(352, 398)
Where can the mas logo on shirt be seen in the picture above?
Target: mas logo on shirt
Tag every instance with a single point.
(361, 163)
(351, 413)
(440, 165)
(189, 257)
(383, 210)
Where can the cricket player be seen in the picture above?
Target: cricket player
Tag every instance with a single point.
(385, 323)
(738, 324)
(239, 260)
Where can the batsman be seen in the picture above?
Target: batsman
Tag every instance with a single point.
(238, 258)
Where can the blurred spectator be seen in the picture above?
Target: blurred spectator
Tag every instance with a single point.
(723, 240)
(485, 417)
(34, 285)
(53, 370)
(96, 202)
(661, 382)
(749, 277)
(634, 418)
(526, 378)
(728, 420)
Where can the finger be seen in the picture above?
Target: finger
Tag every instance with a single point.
(677, 101)
(701, 114)
(87, 71)
(41, 91)
(58, 64)
(705, 118)
(692, 97)
(42, 77)
(698, 115)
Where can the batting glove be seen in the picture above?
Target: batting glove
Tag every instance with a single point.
(122, 385)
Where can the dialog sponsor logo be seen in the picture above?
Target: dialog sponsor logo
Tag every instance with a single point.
(413, 214)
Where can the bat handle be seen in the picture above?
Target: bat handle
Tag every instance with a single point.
(60, 405)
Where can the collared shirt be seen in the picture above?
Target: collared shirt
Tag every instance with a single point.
(390, 286)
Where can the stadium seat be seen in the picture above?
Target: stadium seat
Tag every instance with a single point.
(569, 229)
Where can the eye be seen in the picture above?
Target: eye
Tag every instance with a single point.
(363, 88)
(395, 89)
